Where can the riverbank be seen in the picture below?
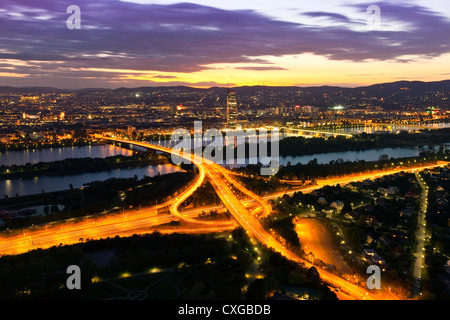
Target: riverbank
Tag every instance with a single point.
(298, 146)
(313, 170)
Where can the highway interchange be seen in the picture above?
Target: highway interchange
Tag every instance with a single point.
(140, 221)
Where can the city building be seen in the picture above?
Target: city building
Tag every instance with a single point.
(232, 112)
(130, 130)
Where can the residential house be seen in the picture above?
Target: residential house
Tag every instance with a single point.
(338, 205)
(322, 201)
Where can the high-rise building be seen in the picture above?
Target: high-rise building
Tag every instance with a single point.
(232, 112)
(173, 110)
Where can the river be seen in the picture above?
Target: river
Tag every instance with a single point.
(324, 158)
(367, 155)
(21, 157)
(55, 183)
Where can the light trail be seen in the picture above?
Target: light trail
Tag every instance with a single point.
(355, 178)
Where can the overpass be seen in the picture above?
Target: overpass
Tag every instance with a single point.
(329, 132)
(317, 132)
(414, 126)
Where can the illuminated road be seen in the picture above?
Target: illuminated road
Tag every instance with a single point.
(123, 225)
(354, 178)
(219, 178)
(421, 234)
(265, 207)
(317, 132)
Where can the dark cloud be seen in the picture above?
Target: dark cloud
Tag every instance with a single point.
(188, 37)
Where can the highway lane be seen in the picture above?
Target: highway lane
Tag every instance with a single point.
(265, 207)
(46, 240)
(69, 232)
(72, 233)
(354, 178)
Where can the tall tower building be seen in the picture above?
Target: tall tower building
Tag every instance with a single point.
(232, 112)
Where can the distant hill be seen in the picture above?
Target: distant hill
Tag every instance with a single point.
(375, 89)
(418, 87)
(31, 90)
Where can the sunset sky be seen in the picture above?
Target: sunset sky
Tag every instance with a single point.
(208, 43)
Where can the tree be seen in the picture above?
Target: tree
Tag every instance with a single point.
(244, 258)
(313, 274)
(214, 214)
(347, 207)
(302, 177)
(195, 292)
(256, 290)
(296, 277)
(329, 295)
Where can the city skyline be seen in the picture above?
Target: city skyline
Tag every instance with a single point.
(210, 43)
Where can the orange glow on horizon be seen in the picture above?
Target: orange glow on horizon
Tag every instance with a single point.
(289, 70)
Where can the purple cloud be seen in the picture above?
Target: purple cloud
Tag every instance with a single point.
(188, 37)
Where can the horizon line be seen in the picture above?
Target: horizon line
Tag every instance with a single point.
(242, 86)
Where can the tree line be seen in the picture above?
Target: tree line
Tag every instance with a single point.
(335, 168)
(79, 165)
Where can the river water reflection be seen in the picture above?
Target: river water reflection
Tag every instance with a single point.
(21, 157)
(56, 183)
